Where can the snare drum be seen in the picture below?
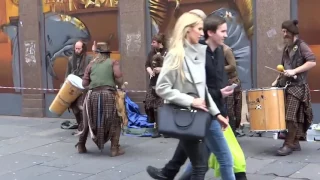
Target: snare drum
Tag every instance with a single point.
(266, 109)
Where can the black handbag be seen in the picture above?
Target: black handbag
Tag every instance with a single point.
(184, 123)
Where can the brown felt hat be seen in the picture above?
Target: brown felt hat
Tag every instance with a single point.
(291, 26)
(103, 47)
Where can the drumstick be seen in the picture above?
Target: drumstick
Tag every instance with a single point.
(294, 77)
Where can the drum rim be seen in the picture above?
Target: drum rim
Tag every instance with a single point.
(271, 130)
(74, 80)
(265, 89)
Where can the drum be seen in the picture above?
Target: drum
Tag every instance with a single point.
(69, 92)
(266, 109)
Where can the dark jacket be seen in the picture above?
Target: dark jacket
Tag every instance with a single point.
(216, 76)
(77, 68)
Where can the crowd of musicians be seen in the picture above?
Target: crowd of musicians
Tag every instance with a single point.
(197, 39)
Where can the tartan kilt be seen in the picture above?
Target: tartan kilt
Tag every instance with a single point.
(153, 101)
(110, 121)
(234, 107)
(298, 107)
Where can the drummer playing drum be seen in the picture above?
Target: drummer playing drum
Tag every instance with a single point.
(297, 59)
(77, 64)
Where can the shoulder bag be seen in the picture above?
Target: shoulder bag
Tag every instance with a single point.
(184, 123)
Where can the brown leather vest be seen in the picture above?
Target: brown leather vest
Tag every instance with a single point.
(295, 60)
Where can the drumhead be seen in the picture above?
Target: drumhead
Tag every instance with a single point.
(258, 89)
(75, 81)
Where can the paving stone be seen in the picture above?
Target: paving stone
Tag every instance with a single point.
(28, 173)
(14, 131)
(260, 177)
(310, 171)
(14, 162)
(281, 168)
(23, 144)
(112, 174)
(72, 159)
(285, 178)
(253, 146)
(62, 175)
(49, 132)
(97, 165)
(139, 176)
(55, 149)
(254, 165)
(45, 152)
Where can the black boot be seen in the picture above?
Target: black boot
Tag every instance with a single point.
(150, 114)
(156, 173)
(241, 176)
(156, 132)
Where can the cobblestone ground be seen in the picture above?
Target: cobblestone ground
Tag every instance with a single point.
(38, 149)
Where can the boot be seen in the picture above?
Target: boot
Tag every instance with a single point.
(150, 114)
(116, 151)
(156, 173)
(115, 147)
(79, 120)
(285, 150)
(156, 132)
(288, 146)
(296, 145)
(81, 147)
(241, 176)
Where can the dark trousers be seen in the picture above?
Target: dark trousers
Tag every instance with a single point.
(194, 150)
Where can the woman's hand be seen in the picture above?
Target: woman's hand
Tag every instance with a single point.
(150, 71)
(223, 121)
(200, 104)
(157, 70)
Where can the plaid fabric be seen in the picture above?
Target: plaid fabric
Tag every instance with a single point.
(234, 106)
(298, 106)
(109, 127)
(152, 101)
(295, 131)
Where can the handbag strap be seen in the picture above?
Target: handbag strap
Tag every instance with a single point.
(194, 85)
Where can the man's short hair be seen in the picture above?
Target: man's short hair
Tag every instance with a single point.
(211, 23)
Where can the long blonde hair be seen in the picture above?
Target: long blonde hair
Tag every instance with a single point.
(178, 39)
(100, 57)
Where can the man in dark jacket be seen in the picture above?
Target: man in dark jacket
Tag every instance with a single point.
(77, 64)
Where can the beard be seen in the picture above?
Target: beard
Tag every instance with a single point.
(288, 40)
(78, 54)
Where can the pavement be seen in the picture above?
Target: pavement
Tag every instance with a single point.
(38, 149)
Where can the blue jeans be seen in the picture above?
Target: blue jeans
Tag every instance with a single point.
(217, 144)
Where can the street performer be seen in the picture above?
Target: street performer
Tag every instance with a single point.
(153, 66)
(101, 118)
(77, 64)
(234, 101)
(297, 59)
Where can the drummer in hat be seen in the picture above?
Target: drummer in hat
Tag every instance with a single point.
(297, 59)
(76, 66)
(101, 120)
